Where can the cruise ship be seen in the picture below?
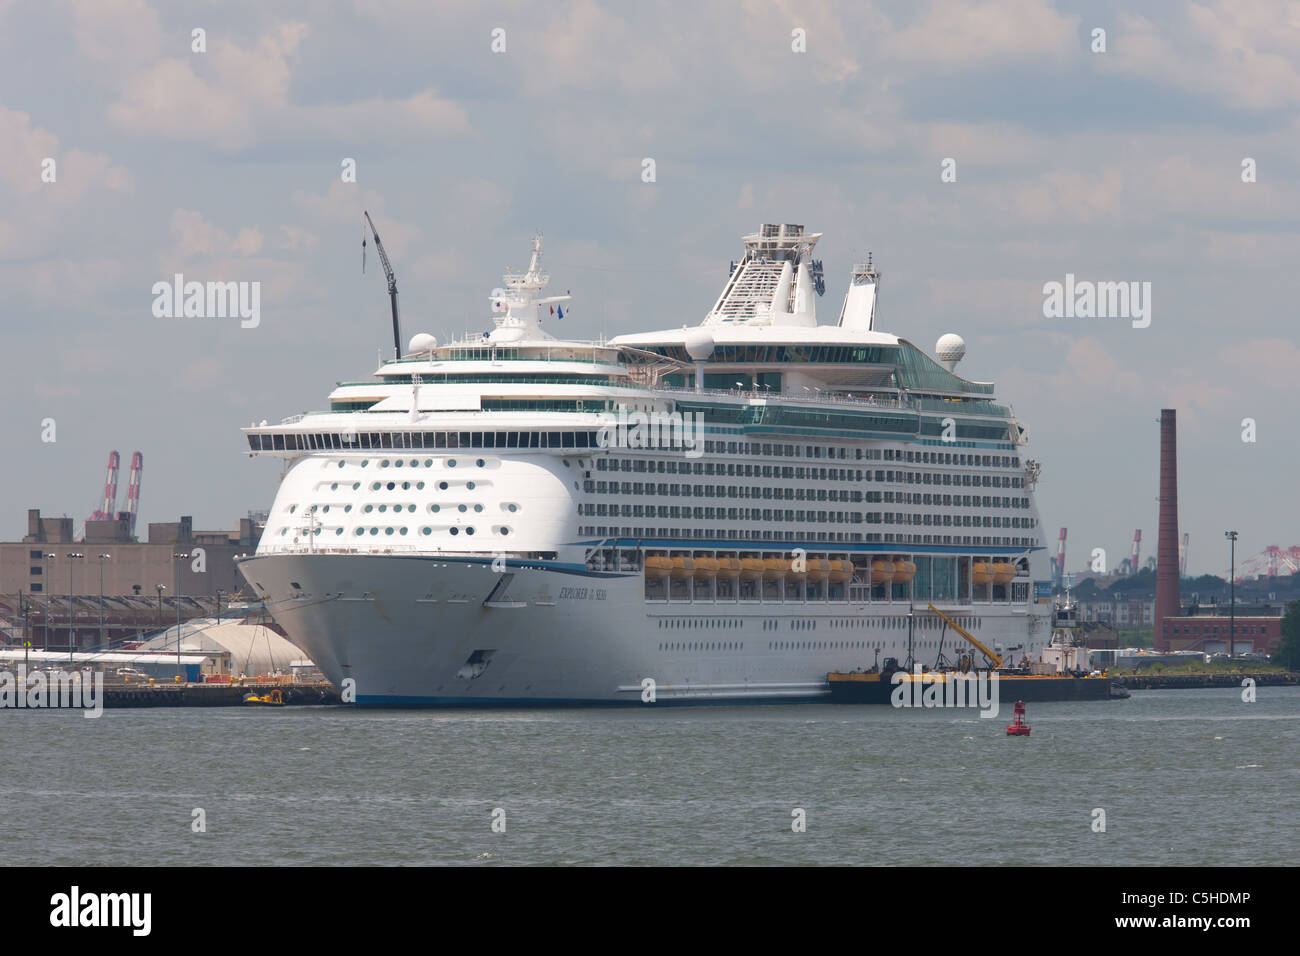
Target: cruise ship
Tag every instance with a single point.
(718, 513)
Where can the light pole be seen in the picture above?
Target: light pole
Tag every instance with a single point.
(102, 558)
(176, 567)
(47, 585)
(1232, 592)
(72, 638)
(160, 588)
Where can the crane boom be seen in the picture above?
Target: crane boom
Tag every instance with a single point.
(995, 660)
(392, 281)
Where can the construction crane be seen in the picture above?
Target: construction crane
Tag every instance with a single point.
(105, 512)
(133, 489)
(392, 280)
(995, 660)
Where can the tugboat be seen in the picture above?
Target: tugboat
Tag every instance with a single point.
(1018, 727)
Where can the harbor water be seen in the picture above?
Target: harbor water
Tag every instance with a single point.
(1184, 777)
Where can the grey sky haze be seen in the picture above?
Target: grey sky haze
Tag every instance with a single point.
(225, 165)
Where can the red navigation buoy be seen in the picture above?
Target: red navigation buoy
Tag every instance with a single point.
(1018, 727)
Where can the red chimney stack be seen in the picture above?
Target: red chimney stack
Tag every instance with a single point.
(1167, 593)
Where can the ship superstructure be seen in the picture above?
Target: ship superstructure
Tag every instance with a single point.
(726, 511)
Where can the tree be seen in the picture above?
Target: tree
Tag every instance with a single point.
(1288, 649)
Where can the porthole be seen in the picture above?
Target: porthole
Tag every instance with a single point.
(406, 486)
(469, 530)
(442, 485)
(505, 531)
(347, 508)
(455, 531)
(375, 486)
(374, 531)
(461, 508)
(334, 487)
(368, 508)
(340, 464)
(338, 530)
(415, 463)
(478, 508)
(566, 462)
(480, 463)
(398, 463)
(384, 463)
(434, 509)
(283, 532)
(512, 508)
(469, 485)
(326, 508)
(419, 485)
(383, 508)
(365, 462)
(359, 532)
(402, 530)
(388, 531)
(292, 509)
(410, 508)
(356, 485)
(426, 530)
(391, 485)
(451, 462)
(428, 463)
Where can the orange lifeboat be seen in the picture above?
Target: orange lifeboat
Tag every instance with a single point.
(794, 577)
(705, 568)
(981, 573)
(751, 569)
(1003, 572)
(819, 569)
(658, 567)
(775, 568)
(882, 572)
(904, 571)
(728, 568)
(840, 571)
(683, 568)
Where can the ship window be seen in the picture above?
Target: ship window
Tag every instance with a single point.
(469, 530)
(451, 462)
(442, 485)
(455, 531)
(426, 531)
(384, 463)
(434, 509)
(388, 531)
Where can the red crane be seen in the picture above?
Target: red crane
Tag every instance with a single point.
(105, 511)
(133, 490)
(1133, 564)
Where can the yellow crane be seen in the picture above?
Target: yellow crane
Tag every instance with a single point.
(995, 660)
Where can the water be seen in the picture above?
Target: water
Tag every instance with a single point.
(1192, 777)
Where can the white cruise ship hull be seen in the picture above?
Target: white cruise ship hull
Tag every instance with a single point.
(416, 631)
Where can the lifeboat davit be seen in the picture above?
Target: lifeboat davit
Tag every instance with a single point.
(751, 569)
(904, 571)
(658, 566)
(683, 568)
(882, 572)
(775, 568)
(705, 568)
(981, 573)
(1003, 572)
(728, 568)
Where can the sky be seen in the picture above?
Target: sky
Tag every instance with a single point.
(474, 125)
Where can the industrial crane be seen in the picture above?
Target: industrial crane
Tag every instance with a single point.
(392, 279)
(994, 659)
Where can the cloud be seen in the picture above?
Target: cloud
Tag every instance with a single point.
(234, 97)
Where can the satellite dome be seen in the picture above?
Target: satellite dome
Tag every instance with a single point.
(950, 349)
(421, 342)
(698, 344)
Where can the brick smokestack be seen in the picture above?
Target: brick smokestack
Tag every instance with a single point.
(1167, 595)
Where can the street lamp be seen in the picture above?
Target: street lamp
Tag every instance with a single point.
(176, 567)
(1232, 591)
(160, 588)
(47, 585)
(72, 637)
(102, 558)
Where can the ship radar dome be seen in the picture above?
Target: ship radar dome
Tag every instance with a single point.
(698, 344)
(421, 342)
(950, 350)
